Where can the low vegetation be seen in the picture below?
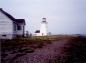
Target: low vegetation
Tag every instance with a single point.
(22, 46)
(75, 49)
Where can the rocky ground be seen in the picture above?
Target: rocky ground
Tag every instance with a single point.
(47, 54)
(71, 50)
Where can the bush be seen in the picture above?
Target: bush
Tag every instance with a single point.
(77, 51)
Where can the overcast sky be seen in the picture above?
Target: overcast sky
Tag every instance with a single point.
(63, 16)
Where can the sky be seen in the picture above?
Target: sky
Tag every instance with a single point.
(63, 16)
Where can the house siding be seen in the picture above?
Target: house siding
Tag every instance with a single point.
(21, 31)
(6, 27)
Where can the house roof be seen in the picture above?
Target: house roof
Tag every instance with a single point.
(12, 18)
(20, 21)
(37, 31)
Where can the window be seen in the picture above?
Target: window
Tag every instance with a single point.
(15, 27)
(18, 27)
(4, 35)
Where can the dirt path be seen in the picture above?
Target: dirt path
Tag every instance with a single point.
(47, 54)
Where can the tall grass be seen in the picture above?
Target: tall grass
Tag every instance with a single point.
(76, 52)
(22, 42)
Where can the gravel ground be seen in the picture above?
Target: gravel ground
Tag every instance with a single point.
(47, 54)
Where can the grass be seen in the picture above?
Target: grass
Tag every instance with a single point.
(23, 44)
(26, 45)
(15, 43)
(35, 42)
(76, 50)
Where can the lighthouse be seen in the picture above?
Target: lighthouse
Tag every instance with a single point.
(43, 28)
(43, 31)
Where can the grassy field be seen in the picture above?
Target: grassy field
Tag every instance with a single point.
(75, 50)
(75, 53)
(23, 42)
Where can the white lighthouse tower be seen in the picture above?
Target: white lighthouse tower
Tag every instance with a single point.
(43, 31)
(43, 28)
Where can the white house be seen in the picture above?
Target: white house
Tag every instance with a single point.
(43, 29)
(10, 27)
